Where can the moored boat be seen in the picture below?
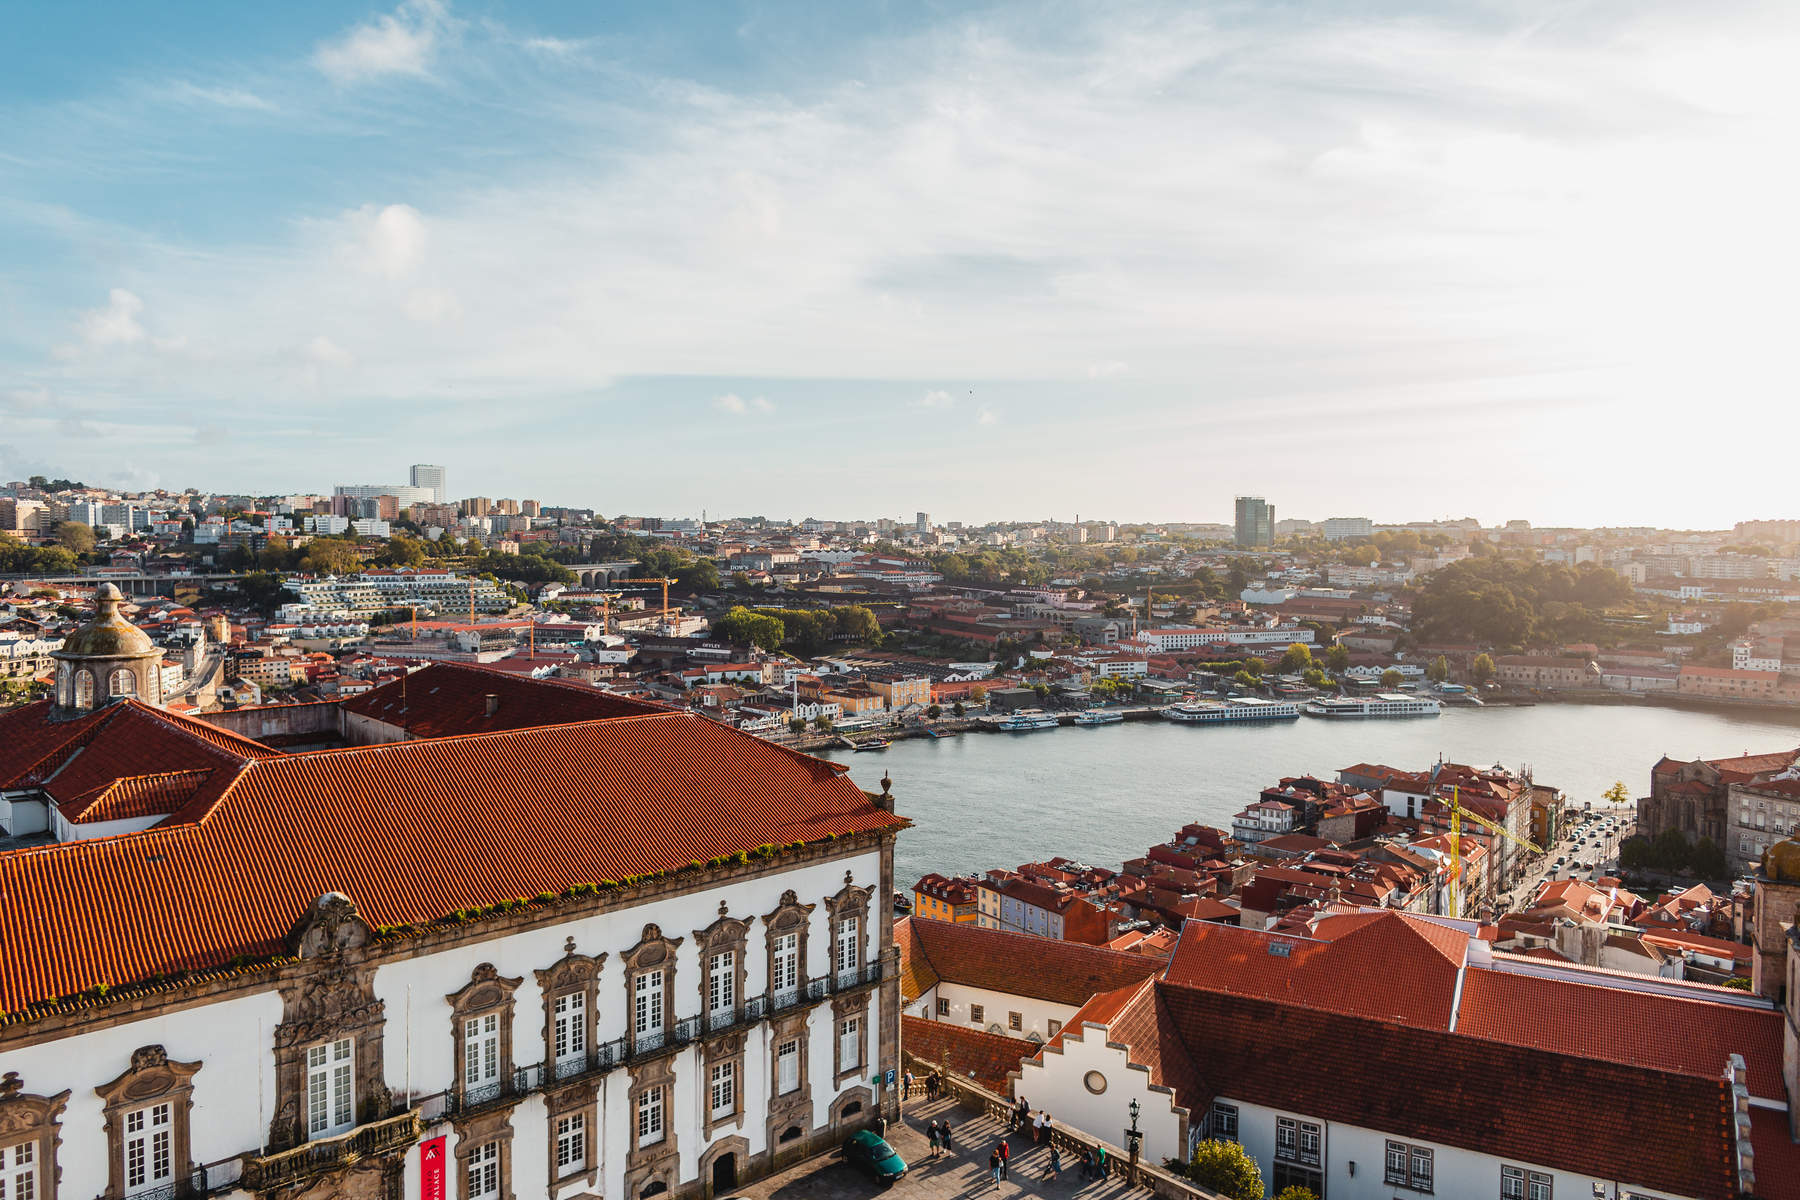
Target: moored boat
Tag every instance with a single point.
(1237, 708)
(1027, 720)
(1097, 716)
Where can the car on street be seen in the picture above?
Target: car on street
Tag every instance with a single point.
(868, 1151)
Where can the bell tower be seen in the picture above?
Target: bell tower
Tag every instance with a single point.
(106, 659)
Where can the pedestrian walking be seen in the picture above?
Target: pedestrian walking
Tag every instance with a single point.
(1055, 1167)
(944, 1132)
(1005, 1152)
(931, 1086)
(906, 1087)
(1100, 1164)
(1087, 1164)
(995, 1166)
(1022, 1115)
(880, 1125)
(931, 1135)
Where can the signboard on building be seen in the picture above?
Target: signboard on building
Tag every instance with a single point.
(431, 1169)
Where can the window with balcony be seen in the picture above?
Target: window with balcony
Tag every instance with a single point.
(481, 1050)
(650, 1117)
(721, 984)
(569, 1035)
(849, 948)
(1297, 1141)
(1408, 1167)
(784, 964)
(149, 1148)
(647, 1006)
(330, 1088)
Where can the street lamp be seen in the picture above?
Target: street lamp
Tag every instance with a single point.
(1134, 1138)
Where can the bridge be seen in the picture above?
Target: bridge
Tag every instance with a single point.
(602, 574)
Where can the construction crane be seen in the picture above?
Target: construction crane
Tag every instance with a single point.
(1457, 815)
(606, 604)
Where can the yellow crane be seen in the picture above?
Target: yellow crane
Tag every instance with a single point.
(1457, 815)
(606, 599)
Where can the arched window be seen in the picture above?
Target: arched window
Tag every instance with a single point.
(84, 689)
(121, 683)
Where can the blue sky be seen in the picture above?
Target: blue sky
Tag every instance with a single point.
(1396, 260)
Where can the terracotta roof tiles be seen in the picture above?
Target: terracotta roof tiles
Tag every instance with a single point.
(970, 1053)
(1046, 968)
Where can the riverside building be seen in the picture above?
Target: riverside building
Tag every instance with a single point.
(467, 935)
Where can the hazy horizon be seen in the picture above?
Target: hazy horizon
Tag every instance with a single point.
(1502, 261)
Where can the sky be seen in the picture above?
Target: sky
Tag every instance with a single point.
(992, 261)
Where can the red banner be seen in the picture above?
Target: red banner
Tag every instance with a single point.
(431, 1169)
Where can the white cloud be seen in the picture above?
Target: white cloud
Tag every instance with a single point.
(117, 323)
(324, 352)
(1105, 370)
(937, 398)
(737, 406)
(431, 305)
(393, 238)
(399, 43)
(222, 97)
(987, 416)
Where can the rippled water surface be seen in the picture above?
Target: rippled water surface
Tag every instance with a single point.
(1105, 793)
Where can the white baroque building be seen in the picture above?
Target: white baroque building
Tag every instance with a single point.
(541, 940)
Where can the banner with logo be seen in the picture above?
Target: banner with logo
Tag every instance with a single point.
(431, 1169)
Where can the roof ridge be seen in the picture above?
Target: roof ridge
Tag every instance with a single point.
(473, 735)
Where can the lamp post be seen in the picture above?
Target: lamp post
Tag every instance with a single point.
(1134, 1138)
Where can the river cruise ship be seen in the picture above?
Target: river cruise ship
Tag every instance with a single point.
(1027, 720)
(1237, 708)
(1383, 704)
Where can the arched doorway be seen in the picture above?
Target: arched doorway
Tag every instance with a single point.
(724, 1174)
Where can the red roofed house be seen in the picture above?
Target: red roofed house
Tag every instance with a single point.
(1386, 1054)
(495, 901)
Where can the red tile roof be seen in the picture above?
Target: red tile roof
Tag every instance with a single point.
(1617, 1024)
(445, 699)
(1651, 1128)
(987, 1058)
(1020, 964)
(410, 831)
(1379, 965)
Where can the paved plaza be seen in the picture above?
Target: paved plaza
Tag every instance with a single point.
(959, 1175)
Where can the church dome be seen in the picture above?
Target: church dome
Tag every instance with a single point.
(1781, 862)
(108, 635)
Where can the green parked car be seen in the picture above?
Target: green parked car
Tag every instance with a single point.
(875, 1156)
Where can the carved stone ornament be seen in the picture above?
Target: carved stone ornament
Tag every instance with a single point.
(330, 925)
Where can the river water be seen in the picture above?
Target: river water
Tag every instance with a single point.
(1104, 794)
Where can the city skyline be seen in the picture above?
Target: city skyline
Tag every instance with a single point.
(1453, 261)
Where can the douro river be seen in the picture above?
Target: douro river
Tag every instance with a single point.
(1102, 794)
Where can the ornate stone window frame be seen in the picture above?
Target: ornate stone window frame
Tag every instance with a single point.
(330, 994)
(717, 1052)
(855, 1004)
(34, 1121)
(151, 1079)
(728, 934)
(486, 992)
(477, 1132)
(654, 952)
(571, 974)
(851, 901)
(660, 1162)
(790, 916)
(582, 1099)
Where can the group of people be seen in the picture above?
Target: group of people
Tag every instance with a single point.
(1020, 1117)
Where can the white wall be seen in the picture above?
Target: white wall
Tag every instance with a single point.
(1056, 1082)
(233, 1098)
(1456, 1172)
(1035, 1014)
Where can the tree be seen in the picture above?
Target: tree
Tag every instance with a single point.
(1297, 657)
(403, 551)
(1245, 679)
(1707, 861)
(978, 694)
(1225, 1168)
(263, 591)
(1338, 657)
(1314, 678)
(330, 556)
(1391, 678)
(856, 622)
(1297, 1193)
(956, 710)
(1670, 850)
(746, 628)
(822, 723)
(1255, 665)
(934, 711)
(797, 725)
(1616, 794)
(1634, 853)
(1439, 670)
(1482, 669)
(75, 537)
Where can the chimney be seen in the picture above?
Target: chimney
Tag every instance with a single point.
(493, 704)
